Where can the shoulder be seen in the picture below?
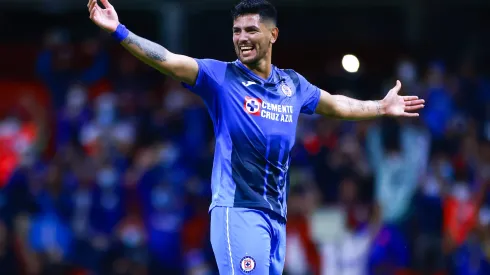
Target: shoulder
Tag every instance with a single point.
(298, 80)
(211, 63)
(288, 73)
(213, 68)
(294, 76)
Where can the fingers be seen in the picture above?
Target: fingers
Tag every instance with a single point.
(410, 97)
(93, 8)
(106, 4)
(414, 102)
(414, 108)
(92, 5)
(94, 12)
(410, 114)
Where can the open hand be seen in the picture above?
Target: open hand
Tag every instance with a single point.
(104, 18)
(396, 105)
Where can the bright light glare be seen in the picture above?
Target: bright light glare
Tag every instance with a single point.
(350, 63)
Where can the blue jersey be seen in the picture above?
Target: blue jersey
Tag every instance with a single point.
(255, 127)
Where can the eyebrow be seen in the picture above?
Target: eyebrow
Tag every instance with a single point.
(248, 28)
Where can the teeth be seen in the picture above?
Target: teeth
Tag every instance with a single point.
(246, 48)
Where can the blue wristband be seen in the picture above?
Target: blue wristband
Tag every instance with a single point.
(121, 33)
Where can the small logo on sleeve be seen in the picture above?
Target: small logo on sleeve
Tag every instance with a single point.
(252, 105)
(247, 264)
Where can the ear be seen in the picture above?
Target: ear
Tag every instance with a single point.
(274, 34)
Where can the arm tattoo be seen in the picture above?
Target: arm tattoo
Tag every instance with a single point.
(362, 105)
(152, 50)
(346, 102)
(349, 108)
(378, 108)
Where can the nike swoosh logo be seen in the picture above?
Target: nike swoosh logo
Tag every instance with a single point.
(248, 83)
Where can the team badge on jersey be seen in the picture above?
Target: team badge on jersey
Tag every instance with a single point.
(252, 105)
(247, 264)
(286, 90)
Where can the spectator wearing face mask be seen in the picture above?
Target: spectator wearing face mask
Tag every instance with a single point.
(50, 235)
(164, 222)
(162, 206)
(129, 252)
(73, 115)
(108, 199)
(99, 209)
(461, 206)
(428, 213)
(82, 203)
(398, 156)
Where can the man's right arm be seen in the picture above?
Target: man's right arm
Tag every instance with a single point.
(179, 67)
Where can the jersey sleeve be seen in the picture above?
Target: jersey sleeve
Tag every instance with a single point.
(210, 77)
(309, 93)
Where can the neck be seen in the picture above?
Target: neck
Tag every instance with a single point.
(262, 68)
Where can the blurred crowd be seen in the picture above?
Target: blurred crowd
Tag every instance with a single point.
(105, 169)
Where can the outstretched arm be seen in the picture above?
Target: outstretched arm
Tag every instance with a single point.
(342, 107)
(179, 67)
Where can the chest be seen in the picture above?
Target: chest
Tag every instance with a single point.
(272, 107)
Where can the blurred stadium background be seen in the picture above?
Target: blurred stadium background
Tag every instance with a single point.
(105, 164)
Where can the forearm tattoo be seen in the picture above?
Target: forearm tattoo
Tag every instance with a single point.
(362, 105)
(378, 107)
(152, 50)
(349, 101)
(358, 108)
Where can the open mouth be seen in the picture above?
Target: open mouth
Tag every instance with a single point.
(245, 50)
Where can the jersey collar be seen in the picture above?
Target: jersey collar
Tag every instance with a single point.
(270, 79)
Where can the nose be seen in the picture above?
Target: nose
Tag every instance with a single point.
(242, 37)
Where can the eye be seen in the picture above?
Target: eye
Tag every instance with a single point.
(252, 30)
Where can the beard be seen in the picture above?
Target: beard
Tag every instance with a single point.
(251, 57)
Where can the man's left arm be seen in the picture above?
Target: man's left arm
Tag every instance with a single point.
(343, 107)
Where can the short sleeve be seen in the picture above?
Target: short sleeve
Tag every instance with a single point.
(210, 77)
(310, 95)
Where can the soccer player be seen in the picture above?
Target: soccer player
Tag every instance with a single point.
(254, 107)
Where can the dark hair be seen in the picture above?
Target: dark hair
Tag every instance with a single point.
(266, 10)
